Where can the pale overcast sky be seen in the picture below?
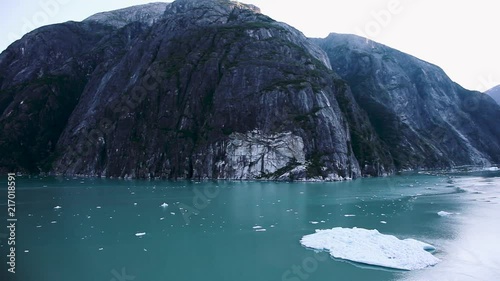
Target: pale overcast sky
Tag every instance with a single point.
(459, 36)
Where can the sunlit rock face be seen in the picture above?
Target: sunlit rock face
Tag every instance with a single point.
(254, 155)
(424, 119)
(146, 14)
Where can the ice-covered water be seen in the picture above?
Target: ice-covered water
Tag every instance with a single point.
(95, 229)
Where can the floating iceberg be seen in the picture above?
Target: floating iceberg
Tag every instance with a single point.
(372, 248)
(447, 214)
(444, 214)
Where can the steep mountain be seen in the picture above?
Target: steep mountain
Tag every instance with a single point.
(424, 119)
(495, 93)
(213, 89)
(192, 89)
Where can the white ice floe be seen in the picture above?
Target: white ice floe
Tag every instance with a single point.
(257, 227)
(445, 214)
(261, 230)
(164, 205)
(372, 248)
(57, 207)
(349, 216)
(383, 222)
(139, 234)
(313, 222)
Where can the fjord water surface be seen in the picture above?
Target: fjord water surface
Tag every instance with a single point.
(122, 230)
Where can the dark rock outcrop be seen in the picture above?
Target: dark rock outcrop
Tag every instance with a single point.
(424, 119)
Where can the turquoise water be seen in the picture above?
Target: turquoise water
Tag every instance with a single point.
(215, 235)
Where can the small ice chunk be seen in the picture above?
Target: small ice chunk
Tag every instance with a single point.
(383, 222)
(349, 215)
(261, 230)
(164, 205)
(139, 234)
(313, 222)
(53, 222)
(100, 249)
(57, 207)
(371, 247)
(445, 214)
(98, 207)
(257, 227)
(26, 251)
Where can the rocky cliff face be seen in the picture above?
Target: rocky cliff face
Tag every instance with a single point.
(424, 119)
(495, 93)
(204, 89)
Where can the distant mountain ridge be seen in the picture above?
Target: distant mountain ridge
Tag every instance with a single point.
(494, 93)
(424, 118)
(213, 89)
